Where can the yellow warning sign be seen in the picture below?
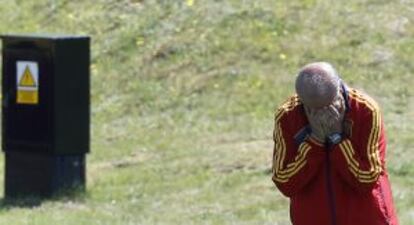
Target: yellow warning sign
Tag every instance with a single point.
(27, 79)
(27, 97)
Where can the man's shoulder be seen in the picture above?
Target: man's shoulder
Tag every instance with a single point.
(288, 107)
(362, 101)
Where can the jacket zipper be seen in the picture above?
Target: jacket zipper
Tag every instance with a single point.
(331, 194)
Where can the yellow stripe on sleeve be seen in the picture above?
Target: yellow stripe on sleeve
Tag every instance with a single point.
(283, 173)
(365, 176)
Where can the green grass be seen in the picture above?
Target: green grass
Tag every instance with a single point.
(183, 99)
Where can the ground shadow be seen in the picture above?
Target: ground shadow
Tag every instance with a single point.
(20, 202)
(32, 201)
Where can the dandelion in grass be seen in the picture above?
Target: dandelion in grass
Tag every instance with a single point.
(190, 2)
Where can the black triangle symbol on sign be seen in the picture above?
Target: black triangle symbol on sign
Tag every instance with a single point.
(27, 79)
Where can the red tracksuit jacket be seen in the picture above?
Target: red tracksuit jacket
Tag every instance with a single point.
(346, 184)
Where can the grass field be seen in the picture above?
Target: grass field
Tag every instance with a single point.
(183, 95)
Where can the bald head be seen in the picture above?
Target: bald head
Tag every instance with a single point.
(317, 84)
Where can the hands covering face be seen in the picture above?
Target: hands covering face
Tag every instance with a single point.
(327, 120)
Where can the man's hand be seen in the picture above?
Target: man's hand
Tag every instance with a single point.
(332, 120)
(327, 120)
(315, 118)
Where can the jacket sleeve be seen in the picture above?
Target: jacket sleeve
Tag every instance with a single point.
(357, 159)
(293, 165)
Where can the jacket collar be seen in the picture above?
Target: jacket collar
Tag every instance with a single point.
(345, 95)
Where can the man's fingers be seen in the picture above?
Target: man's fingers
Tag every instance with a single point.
(334, 111)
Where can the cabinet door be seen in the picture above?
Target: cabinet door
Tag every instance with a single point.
(27, 98)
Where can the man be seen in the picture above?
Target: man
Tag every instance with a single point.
(329, 153)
